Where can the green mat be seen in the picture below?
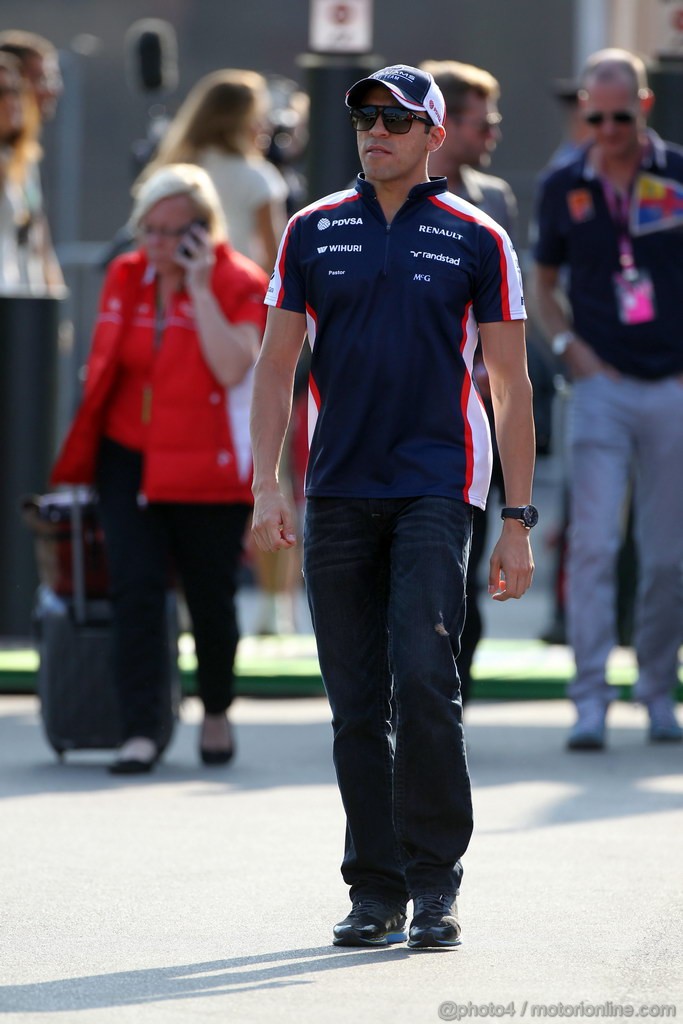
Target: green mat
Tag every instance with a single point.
(287, 666)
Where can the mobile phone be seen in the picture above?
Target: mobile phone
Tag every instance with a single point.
(182, 249)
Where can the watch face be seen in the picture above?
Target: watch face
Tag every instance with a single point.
(530, 516)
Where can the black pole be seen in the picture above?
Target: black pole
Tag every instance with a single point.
(666, 80)
(332, 154)
(29, 330)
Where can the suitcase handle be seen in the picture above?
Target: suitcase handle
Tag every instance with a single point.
(77, 559)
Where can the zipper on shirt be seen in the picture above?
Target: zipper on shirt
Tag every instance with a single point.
(385, 270)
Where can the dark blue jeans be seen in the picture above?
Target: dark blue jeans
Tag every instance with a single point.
(386, 587)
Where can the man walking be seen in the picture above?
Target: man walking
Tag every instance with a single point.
(392, 280)
(610, 217)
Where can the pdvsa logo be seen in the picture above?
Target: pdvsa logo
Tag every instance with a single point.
(324, 223)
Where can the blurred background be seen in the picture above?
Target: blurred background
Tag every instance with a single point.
(118, 96)
(107, 116)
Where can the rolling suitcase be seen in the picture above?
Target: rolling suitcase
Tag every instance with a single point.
(78, 700)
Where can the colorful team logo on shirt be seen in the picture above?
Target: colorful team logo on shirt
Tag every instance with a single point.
(657, 205)
(580, 203)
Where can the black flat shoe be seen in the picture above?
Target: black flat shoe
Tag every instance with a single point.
(217, 755)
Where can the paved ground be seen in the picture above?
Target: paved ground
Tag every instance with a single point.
(194, 896)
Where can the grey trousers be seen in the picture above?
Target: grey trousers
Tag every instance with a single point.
(623, 431)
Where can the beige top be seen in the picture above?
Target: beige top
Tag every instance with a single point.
(243, 186)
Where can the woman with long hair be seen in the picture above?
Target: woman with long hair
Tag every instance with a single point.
(35, 60)
(219, 127)
(19, 221)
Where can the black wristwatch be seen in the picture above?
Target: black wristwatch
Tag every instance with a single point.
(527, 514)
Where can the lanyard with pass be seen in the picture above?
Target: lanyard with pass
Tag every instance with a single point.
(633, 287)
(159, 324)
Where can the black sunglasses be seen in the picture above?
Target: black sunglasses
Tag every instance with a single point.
(396, 120)
(596, 117)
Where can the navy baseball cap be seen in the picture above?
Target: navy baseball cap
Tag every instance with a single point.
(414, 89)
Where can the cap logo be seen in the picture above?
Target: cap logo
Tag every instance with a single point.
(399, 75)
(413, 88)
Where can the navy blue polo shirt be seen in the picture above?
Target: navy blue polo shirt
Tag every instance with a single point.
(575, 228)
(392, 313)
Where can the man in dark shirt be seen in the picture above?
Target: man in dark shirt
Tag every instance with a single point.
(393, 280)
(613, 217)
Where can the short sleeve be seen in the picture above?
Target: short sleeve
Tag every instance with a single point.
(497, 292)
(287, 288)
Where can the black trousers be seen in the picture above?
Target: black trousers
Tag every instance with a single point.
(201, 544)
(474, 626)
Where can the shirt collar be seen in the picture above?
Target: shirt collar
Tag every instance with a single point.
(654, 156)
(432, 187)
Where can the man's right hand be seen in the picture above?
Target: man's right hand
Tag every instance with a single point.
(273, 522)
(581, 361)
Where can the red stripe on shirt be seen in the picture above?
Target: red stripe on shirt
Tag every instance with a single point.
(504, 291)
(314, 391)
(340, 202)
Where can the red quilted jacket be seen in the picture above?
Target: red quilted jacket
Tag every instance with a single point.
(197, 443)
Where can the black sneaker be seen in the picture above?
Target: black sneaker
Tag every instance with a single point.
(435, 921)
(371, 923)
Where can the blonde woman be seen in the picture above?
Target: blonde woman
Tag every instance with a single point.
(218, 127)
(12, 171)
(162, 431)
(25, 253)
(36, 62)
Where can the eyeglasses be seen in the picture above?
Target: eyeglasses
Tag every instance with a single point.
(148, 231)
(482, 125)
(596, 117)
(396, 120)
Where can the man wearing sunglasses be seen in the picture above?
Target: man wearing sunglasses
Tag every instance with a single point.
(613, 217)
(393, 280)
